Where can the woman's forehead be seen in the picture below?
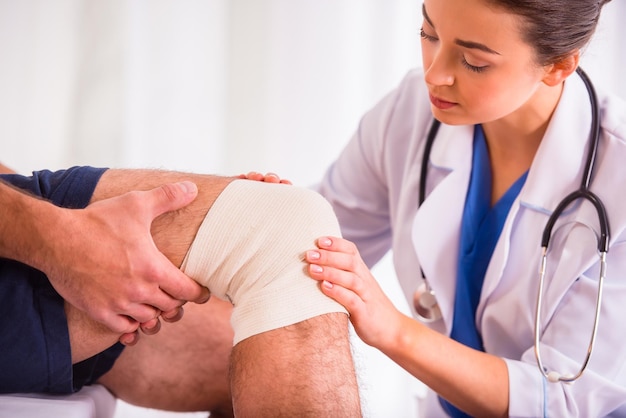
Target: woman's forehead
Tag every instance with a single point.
(474, 21)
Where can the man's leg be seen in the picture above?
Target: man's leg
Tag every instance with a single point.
(185, 367)
(302, 369)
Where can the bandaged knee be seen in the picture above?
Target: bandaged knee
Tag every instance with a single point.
(250, 250)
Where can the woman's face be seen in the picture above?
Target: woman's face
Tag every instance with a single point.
(477, 67)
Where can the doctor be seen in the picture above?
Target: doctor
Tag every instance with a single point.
(516, 126)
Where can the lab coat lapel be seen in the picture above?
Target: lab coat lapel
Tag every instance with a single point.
(558, 165)
(556, 171)
(436, 227)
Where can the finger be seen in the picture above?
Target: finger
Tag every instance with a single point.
(154, 297)
(337, 277)
(253, 175)
(337, 244)
(283, 181)
(350, 300)
(174, 315)
(338, 260)
(169, 197)
(137, 313)
(118, 323)
(129, 339)
(272, 178)
(179, 286)
(151, 327)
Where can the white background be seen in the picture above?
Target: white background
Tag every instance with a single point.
(220, 86)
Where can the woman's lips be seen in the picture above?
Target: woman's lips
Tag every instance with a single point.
(441, 104)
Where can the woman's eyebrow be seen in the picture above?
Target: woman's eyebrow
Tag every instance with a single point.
(475, 45)
(460, 42)
(430, 22)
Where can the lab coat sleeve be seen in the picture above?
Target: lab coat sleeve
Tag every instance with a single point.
(524, 402)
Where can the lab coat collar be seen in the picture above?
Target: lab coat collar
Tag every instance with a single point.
(557, 167)
(452, 148)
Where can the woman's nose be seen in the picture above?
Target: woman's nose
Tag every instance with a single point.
(439, 70)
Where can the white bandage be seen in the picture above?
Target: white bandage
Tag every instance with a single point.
(250, 249)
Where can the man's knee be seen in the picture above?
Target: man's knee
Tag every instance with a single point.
(249, 250)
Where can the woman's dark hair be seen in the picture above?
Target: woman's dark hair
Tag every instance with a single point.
(555, 28)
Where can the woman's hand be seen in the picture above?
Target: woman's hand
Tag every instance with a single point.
(344, 277)
(267, 178)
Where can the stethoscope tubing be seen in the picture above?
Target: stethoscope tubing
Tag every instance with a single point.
(583, 192)
(603, 241)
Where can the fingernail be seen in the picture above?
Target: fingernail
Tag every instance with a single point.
(189, 187)
(313, 255)
(316, 269)
(327, 285)
(206, 296)
(174, 317)
(325, 242)
(129, 339)
(153, 329)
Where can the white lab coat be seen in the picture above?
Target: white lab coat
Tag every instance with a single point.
(373, 187)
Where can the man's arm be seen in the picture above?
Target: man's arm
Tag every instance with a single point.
(20, 216)
(6, 170)
(90, 256)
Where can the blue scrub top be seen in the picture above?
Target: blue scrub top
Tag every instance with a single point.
(480, 229)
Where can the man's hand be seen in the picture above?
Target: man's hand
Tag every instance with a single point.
(106, 263)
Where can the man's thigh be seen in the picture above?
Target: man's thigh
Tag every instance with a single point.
(183, 367)
(173, 232)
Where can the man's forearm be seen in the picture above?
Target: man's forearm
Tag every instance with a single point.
(6, 170)
(23, 218)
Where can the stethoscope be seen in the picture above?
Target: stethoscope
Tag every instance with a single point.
(424, 299)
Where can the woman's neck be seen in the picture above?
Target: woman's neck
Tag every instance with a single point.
(513, 140)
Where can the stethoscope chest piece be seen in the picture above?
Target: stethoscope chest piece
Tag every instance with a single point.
(425, 303)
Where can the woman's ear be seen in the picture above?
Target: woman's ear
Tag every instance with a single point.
(559, 71)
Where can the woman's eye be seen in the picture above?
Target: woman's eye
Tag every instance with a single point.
(426, 36)
(473, 68)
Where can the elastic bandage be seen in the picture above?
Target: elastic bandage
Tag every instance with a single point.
(250, 249)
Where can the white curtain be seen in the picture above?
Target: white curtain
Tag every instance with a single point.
(202, 85)
(212, 85)
(224, 87)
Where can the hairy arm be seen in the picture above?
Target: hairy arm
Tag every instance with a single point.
(6, 170)
(101, 259)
